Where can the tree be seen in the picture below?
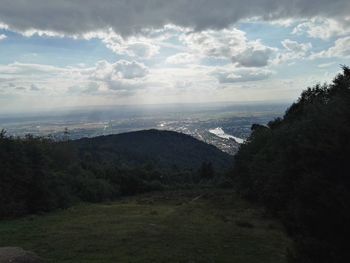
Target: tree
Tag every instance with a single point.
(66, 134)
(297, 167)
(206, 170)
(3, 134)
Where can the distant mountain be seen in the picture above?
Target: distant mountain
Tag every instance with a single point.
(163, 150)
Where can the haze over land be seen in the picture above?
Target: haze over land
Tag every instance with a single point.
(198, 120)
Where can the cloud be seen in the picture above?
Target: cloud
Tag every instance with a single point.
(253, 57)
(295, 47)
(341, 49)
(293, 50)
(234, 75)
(323, 28)
(133, 46)
(18, 68)
(121, 69)
(102, 71)
(2, 37)
(34, 87)
(123, 76)
(181, 59)
(212, 43)
(20, 88)
(130, 70)
(72, 17)
(88, 88)
(231, 44)
(325, 65)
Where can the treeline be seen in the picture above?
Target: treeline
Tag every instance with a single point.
(39, 175)
(298, 168)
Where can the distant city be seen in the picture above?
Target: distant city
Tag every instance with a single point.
(223, 125)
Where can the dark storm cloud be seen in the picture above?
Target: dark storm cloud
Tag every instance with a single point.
(128, 16)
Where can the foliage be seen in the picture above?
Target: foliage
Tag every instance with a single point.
(39, 175)
(206, 171)
(298, 168)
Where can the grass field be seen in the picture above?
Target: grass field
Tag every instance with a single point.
(177, 226)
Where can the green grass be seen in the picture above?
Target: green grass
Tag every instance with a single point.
(178, 226)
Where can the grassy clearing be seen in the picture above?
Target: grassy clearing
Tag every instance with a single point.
(179, 226)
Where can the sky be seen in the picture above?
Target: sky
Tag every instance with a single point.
(75, 53)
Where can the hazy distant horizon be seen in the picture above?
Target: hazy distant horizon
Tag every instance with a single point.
(222, 124)
(180, 106)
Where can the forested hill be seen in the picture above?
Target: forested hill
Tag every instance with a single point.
(38, 174)
(298, 168)
(162, 150)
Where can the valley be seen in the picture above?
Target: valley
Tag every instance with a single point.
(191, 119)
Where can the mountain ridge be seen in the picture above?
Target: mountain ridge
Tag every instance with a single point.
(157, 146)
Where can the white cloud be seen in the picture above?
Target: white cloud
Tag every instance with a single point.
(341, 49)
(326, 65)
(41, 33)
(91, 88)
(2, 37)
(18, 70)
(323, 28)
(138, 46)
(292, 51)
(295, 47)
(133, 46)
(239, 75)
(181, 58)
(212, 43)
(228, 44)
(119, 76)
(231, 44)
(121, 69)
(285, 22)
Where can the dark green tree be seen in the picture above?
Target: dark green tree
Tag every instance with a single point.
(206, 171)
(298, 168)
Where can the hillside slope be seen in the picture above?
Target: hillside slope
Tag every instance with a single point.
(164, 150)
